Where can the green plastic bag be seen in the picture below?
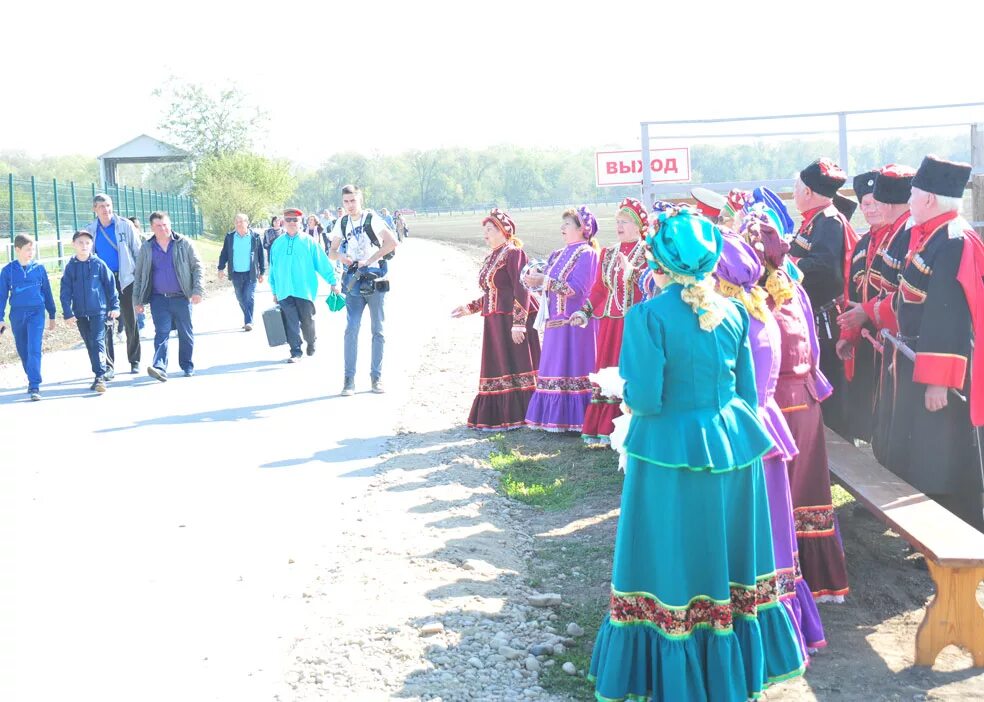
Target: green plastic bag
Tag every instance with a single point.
(335, 301)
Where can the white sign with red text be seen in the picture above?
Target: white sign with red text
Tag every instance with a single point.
(625, 167)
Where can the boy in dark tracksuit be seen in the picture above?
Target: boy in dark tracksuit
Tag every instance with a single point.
(26, 283)
(89, 299)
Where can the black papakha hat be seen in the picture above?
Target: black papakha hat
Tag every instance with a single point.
(823, 177)
(893, 186)
(864, 183)
(845, 205)
(940, 177)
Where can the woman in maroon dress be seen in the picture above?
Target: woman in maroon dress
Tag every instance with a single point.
(510, 344)
(800, 390)
(615, 289)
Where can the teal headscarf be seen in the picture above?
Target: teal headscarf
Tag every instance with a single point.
(685, 243)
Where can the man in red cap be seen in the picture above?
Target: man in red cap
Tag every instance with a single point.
(936, 311)
(823, 247)
(295, 264)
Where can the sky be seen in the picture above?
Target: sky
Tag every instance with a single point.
(382, 76)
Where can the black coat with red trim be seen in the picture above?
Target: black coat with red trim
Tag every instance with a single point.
(820, 247)
(933, 451)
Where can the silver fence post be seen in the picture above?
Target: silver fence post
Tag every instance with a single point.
(842, 140)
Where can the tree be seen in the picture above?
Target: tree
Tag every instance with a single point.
(210, 124)
(240, 182)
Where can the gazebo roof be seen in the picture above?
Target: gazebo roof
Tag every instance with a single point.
(146, 149)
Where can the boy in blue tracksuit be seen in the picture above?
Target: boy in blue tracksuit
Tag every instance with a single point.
(25, 283)
(89, 299)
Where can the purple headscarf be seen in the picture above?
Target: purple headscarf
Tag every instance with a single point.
(588, 221)
(739, 264)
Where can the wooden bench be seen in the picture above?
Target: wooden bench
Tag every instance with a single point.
(954, 550)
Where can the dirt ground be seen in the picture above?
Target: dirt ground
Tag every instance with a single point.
(870, 637)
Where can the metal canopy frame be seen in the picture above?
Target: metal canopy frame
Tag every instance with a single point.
(649, 190)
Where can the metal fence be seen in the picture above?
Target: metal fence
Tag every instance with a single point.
(52, 211)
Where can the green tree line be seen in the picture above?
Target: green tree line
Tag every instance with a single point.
(220, 128)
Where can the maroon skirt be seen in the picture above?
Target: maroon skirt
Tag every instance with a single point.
(820, 551)
(508, 375)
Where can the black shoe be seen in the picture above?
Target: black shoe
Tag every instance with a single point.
(35, 395)
(310, 348)
(155, 372)
(109, 375)
(377, 386)
(134, 368)
(99, 386)
(189, 372)
(348, 389)
(294, 359)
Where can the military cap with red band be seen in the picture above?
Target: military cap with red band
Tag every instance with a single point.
(709, 203)
(293, 212)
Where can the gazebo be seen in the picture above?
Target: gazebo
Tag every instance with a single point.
(143, 149)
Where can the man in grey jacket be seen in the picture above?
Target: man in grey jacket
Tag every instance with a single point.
(168, 275)
(116, 243)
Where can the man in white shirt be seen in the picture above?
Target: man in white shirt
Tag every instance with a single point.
(361, 242)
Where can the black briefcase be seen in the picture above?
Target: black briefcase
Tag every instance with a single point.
(273, 323)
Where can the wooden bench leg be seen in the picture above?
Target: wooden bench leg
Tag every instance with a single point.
(953, 617)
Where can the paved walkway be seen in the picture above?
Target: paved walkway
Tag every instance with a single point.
(151, 536)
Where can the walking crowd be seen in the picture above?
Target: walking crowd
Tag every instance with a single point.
(709, 345)
(116, 273)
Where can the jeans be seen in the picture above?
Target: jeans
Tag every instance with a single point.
(355, 305)
(93, 330)
(168, 313)
(298, 315)
(245, 285)
(129, 317)
(27, 325)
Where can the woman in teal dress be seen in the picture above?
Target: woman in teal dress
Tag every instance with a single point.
(695, 613)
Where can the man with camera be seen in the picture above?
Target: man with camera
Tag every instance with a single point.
(363, 244)
(295, 264)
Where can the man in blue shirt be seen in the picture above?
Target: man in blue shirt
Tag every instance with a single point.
(242, 253)
(116, 243)
(295, 264)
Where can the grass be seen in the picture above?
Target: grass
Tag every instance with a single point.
(554, 479)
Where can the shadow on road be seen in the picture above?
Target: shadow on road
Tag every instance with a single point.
(229, 414)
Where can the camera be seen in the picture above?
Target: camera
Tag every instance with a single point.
(365, 280)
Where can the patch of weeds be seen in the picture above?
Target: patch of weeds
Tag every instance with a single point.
(840, 496)
(555, 473)
(532, 480)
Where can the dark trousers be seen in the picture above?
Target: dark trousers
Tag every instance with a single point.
(93, 330)
(245, 285)
(27, 325)
(172, 313)
(129, 317)
(298, 315)
(966, 505)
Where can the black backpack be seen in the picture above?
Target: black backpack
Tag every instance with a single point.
(367, 228)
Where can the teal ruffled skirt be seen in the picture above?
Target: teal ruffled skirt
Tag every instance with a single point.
(695, 613)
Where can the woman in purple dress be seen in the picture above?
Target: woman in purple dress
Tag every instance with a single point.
(738, 273)
(563, 391)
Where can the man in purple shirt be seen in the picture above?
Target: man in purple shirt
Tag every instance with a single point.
(169, 277)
